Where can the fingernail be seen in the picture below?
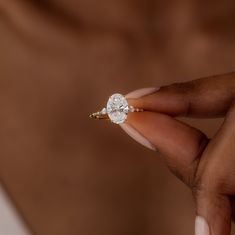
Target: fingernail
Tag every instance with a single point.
(201, 226)
(132, 132)
(141, 92)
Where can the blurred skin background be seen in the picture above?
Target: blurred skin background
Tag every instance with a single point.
(59, 61)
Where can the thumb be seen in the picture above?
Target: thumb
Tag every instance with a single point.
(213, 214)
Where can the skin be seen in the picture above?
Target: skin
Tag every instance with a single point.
(206, 165)
(53, 54)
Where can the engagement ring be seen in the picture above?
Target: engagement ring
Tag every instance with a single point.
(116, 110)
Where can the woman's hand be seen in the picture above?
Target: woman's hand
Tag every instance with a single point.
(207, 166)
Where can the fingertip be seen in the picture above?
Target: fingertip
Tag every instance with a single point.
(137, 136)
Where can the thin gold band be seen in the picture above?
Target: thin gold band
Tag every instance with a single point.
(99, 116)
(103, 115)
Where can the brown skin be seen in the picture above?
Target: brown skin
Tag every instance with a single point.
(207, 166)
(53, 55)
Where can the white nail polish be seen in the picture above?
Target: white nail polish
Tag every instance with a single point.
(132, 132)
(141, 92)
(201, 226)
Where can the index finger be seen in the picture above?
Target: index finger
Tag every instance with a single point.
(206, 97)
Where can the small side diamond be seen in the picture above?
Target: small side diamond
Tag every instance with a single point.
(103, 111)
(131, 109)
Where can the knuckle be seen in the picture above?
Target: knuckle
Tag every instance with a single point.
(182, 87)
(207, 184)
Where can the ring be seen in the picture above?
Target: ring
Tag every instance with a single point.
(116, 110)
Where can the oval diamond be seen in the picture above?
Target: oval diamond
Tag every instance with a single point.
(117, 108)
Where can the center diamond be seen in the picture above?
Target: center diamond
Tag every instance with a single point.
(117, 108)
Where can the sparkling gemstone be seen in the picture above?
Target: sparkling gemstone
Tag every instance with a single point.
(103, 111)
(117, 108)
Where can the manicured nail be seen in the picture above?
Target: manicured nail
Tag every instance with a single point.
(201, 226)
(141, 92)
(132, 132)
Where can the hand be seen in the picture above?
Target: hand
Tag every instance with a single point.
(207, 166)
